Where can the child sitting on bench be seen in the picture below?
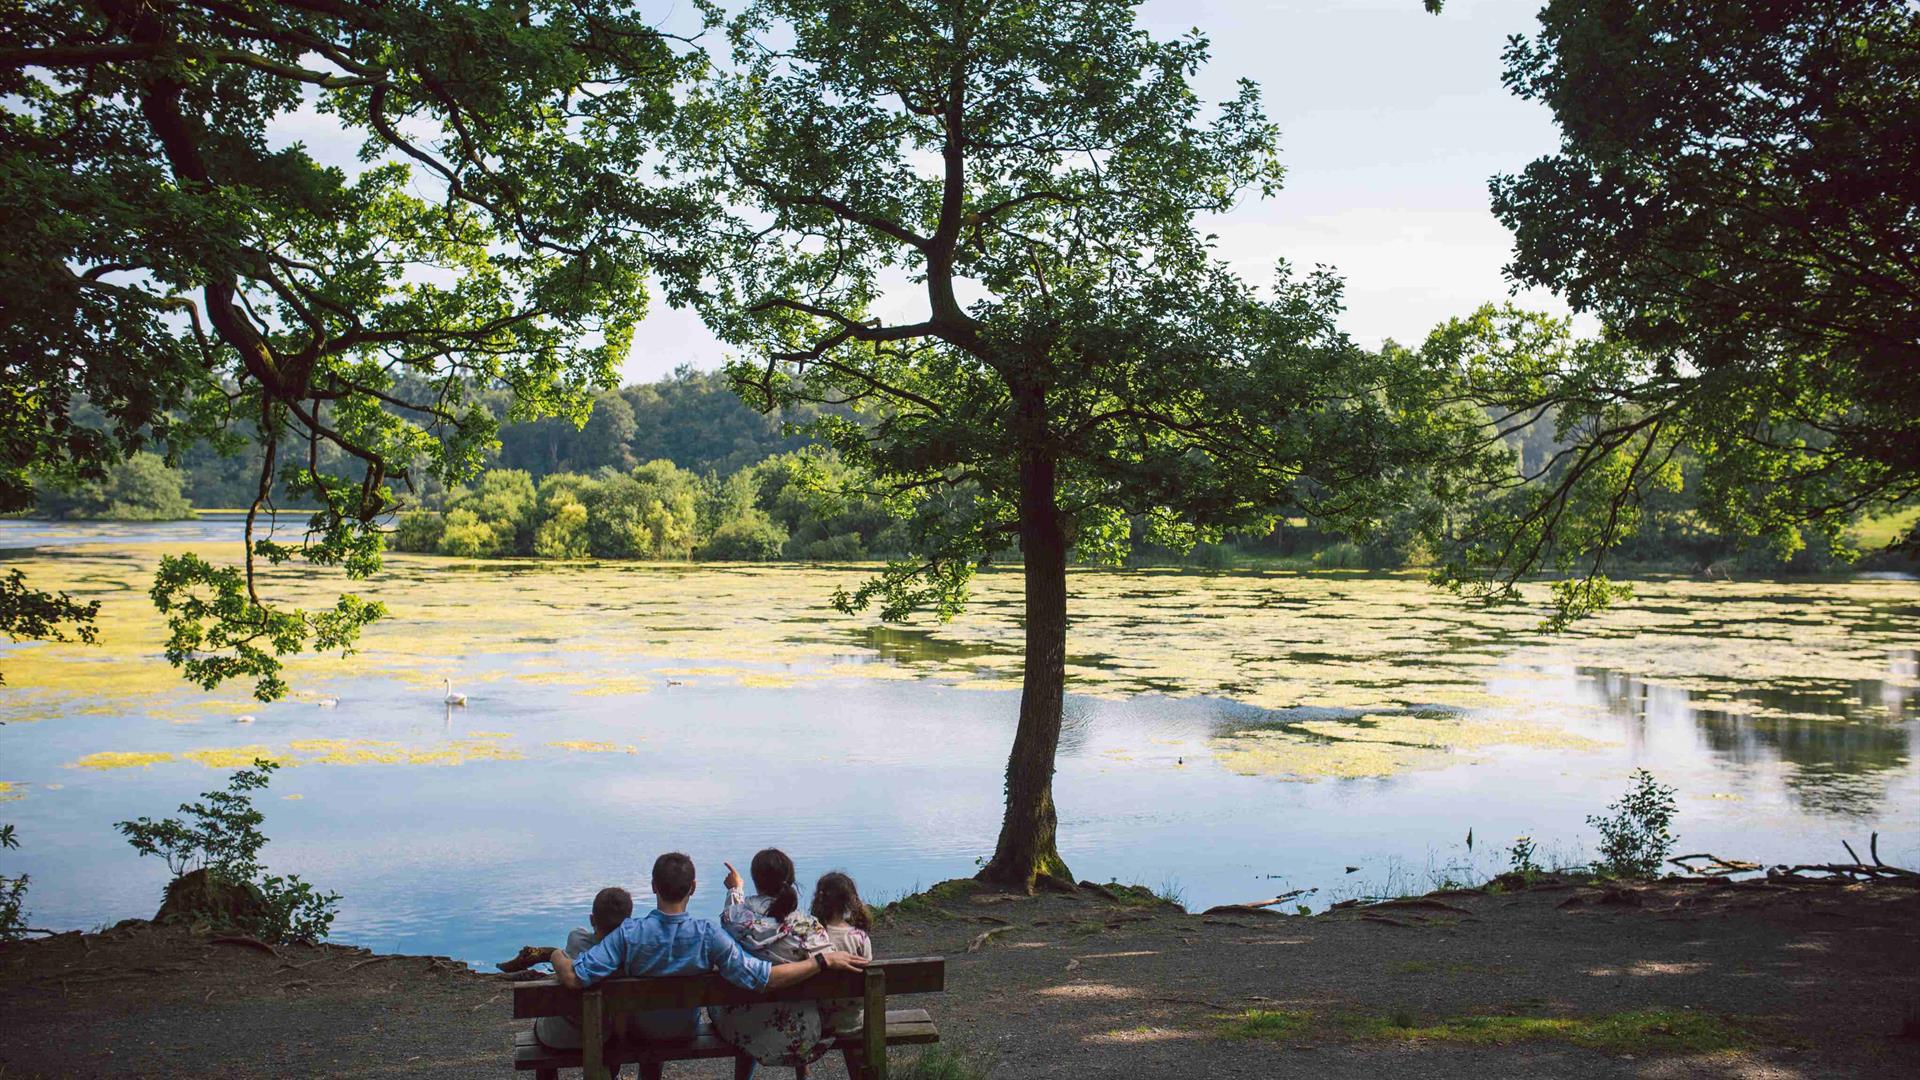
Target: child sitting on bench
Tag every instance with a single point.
(611, 907)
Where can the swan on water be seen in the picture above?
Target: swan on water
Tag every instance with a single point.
(453, 698)
(327, 702)
(247, 719)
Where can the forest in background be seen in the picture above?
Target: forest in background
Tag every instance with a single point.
(682, 468)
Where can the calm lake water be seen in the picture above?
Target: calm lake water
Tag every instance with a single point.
(1231, 736)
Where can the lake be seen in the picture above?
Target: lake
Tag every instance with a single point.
(1228, 736)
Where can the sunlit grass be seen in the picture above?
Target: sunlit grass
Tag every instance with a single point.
(1877, 532)
(1640, 1031)
(935, 1062)
(1267, 1024)
(1650, 1031)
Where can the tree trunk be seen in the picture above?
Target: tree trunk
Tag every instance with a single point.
(1026, 856)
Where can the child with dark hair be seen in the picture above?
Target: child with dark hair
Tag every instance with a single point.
(771, 926)
(837, 904)
(612, 906)
(757, 921)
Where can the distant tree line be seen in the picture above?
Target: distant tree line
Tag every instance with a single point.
(681, 468)
(801, 504)
(141, 488)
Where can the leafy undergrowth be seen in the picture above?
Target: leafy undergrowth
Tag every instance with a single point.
(1646, 1031)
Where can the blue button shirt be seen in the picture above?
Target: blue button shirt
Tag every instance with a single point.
(680, 944)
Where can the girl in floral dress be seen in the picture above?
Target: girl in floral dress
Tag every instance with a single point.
(838, 907)
(770, 925)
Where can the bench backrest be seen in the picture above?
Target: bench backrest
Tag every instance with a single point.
(622, 995)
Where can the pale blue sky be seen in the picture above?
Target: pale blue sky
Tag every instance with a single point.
(1391, 121)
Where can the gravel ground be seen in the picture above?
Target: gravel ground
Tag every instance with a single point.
(1819, 979)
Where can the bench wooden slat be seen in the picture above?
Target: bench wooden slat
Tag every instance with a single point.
(905, 1027)
(546, 997)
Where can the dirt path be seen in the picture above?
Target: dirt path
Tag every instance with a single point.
(1666, 980)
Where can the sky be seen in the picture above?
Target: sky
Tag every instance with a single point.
(1391, 122)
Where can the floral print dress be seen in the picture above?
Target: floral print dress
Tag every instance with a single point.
(779, 1032)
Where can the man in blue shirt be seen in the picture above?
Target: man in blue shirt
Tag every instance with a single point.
(668, 941)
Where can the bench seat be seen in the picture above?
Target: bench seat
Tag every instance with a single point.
(905, 1027)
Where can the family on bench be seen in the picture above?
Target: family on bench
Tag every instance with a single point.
(763, 943)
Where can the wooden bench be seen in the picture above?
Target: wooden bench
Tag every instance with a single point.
(601, 1007)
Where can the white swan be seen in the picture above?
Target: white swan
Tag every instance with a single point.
(327, 702)
(453, 698)
(247, 719)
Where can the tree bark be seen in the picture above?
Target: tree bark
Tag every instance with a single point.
(1026, 856)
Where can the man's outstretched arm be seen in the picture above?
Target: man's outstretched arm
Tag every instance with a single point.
(799, 971)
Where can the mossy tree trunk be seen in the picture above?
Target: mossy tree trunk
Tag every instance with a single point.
(1026, 855)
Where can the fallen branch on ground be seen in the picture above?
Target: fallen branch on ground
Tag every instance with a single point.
(980, 940)
(1426, 902)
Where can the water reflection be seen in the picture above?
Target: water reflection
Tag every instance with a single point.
(908, 645)
(1842, 739)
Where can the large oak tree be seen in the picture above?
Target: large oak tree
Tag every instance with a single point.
(979, 221)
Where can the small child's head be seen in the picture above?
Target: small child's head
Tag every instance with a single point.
(611, 907)
(837, 899)
(773, 876)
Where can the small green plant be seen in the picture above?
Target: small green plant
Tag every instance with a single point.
(1520, 857)
(1266, 1024)
(1637, 835)
(939, 1063)
(13, 893)
(221, 835)
(1172, 892)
